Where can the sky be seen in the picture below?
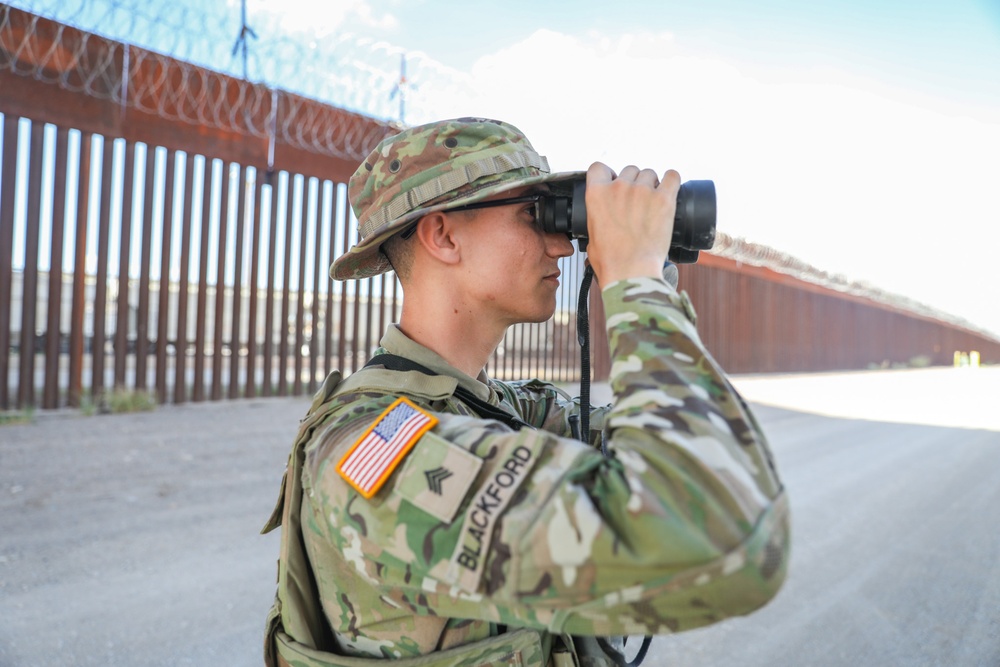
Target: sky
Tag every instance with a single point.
(859, 136)
(862, 137)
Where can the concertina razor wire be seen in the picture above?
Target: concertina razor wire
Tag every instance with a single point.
(177, 61)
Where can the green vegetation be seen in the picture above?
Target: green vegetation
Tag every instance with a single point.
(127, 400)
(87, 407)
(919, 361)
(11, 417)
(117, 401)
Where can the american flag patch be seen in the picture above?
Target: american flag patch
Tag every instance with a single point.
(383, 446)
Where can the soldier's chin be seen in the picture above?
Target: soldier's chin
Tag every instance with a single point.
(542, 317)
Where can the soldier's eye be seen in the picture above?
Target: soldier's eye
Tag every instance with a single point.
(532, 210)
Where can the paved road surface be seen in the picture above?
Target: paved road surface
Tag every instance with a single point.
(132, 539)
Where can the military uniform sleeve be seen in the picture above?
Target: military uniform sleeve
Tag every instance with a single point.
(686, 524)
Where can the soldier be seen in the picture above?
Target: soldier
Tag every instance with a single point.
(434, 516)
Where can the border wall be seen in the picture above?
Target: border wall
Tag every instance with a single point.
(191, 218)
(167, 228)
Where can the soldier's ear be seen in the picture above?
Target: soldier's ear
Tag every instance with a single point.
(436, 236)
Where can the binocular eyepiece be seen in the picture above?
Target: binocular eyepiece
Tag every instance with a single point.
(694, 221)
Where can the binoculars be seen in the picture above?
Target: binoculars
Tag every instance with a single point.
(694, 222)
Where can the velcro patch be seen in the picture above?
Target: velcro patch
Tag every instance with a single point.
(438, 476)
(369, 462)
(491, 499)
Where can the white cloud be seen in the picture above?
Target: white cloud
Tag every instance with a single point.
(844, 173)
(320, 18)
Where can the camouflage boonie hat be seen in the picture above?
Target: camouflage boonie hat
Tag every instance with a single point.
(431, 168)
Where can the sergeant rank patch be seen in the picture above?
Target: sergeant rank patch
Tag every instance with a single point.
(370, 461)
(437, 476)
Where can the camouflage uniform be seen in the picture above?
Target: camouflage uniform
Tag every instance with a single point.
(487, 543)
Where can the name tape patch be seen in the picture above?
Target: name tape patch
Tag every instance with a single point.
(466, 566)
(368, 463)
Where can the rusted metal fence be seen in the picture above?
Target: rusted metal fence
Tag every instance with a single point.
(758, 320)
(150, 243)
(191, 277)
(154, 245)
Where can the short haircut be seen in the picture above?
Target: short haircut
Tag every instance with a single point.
(399, 252)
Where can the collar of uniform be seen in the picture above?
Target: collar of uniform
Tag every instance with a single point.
(396, 342)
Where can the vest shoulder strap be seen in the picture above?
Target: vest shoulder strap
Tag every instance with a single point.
(482, 408)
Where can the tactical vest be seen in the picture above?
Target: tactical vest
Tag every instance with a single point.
(296, 625)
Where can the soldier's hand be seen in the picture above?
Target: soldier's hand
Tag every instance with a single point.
(630, 219)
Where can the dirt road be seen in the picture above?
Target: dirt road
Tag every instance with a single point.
(133, 539)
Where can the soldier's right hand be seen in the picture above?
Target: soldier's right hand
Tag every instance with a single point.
(630, 219)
